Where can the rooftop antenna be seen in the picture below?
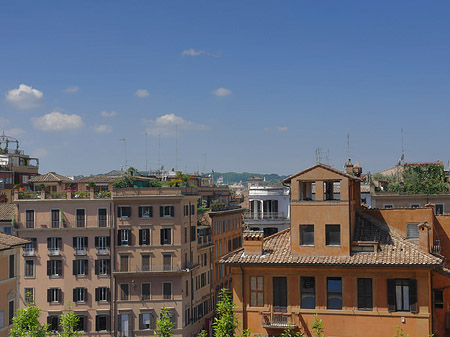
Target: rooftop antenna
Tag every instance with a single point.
(327, 157)
(146, 151)
(125, 142)
(176, 147)
(318, 153)
(402, 157)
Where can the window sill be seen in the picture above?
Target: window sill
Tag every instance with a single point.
(332, 245)
(307, 245)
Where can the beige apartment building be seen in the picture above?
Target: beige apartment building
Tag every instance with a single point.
(9, 276)
(68, 258)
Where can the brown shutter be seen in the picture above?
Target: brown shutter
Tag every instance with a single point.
(391, 294)
(413, 296)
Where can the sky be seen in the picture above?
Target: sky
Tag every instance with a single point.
(255, 86)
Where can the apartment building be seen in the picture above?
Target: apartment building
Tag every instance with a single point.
(68, 257)
(9, 277)
(362, 271)
(160, 262)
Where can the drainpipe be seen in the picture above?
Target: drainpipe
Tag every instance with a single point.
(431, 300)
(112, 267)
(244, 318)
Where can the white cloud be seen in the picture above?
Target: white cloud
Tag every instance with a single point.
(57, 121)
(165, 125)
(102, 128)
(72, 90)
(141, 93)
(14, 132)
(39, 153)
(221, 92)
(24, 97)
(109, 114)
(281, 128)
(192, 52)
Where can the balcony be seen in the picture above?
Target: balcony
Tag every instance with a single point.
(154, 269)
(29, 252)
(80, 251)
(54, 252)
(265, 216)
(282, 320)
(102, 251)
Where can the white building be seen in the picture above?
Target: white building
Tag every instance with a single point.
(268, 207)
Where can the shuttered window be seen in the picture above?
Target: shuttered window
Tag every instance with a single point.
(257, 291)
(412, 230)
(365, 294)
(402, 295)
(308, 292)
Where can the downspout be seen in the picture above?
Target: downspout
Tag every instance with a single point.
(244, 318)
(112, 267)
(431, 300)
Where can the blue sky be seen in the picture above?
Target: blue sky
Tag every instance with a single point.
(255, 85)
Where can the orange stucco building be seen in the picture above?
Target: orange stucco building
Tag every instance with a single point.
(363, 272)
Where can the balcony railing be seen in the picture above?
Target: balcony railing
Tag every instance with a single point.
(126, 333)
(80, 251)
(163, 268)
(102, 251)
(54, 252)
(29, 252)
(265, 216)
(437, 247)
(277, 320)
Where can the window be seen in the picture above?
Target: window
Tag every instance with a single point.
(123, 237)
(79, 294)
(328, 190)
(53, 322)
(102, 322)
(186, 210)
(80, 267)
(145, 211)
(308, 292)
(402, 295)
(81, 217)
(166, 236)
(306, 190)
(29, 268)
(192, 209)
(12, 267)
(102, 266)
(54, 268)
(30, 248)
(412, 230)
(146, 321)
(438, 299)
(333, 235)
(124, 211)
(415, 205)
(334, 293)
(102, 217)
(386, 206)
(54, 246)
(123, 325)
(257, 291)
(81, 325)
(365, 294)
(166, 211)
(144, 237)
(123, 262)
(53, 295)
(145, 262)
(2, 318)
(167, 262)
(187, 288)
(145, 291)
(102, 294)
(167, 290)
(29, 218)
(124, 291)
(439, 209)
(10, 312)
(307, 235)
(55, 218)
(28, 295)
(102, 244)
(80, 244)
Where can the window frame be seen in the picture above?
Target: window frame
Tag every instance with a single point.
(328, 238)
(170, 296)
(54, 223)
(30, 223)
(27, 268)
(124, 292)
(336, 294)
(302, 230)
(120, 211)
(78, 223)
(146, 297)
(163, 239)
(304, 293)
(255, 300)
(100, 217)
(364, 294)
(141, 211)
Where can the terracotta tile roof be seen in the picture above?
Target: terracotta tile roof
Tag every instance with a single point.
(394, 250)
(51, 177)
(99, 179)
(9, 241)
(6, 212)
(326, 167)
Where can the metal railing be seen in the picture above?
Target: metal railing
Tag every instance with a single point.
(54, 252)
(80, 251)
(157, 268)
(437, 247)
(29, 252)
(102, 251)
(277, 319)
(265, 216)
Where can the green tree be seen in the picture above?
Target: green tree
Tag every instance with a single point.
(291, 333)
(203, 333)
(164, 325)
(226, 323)
(26, 323)
(317, 327)
(69, 322)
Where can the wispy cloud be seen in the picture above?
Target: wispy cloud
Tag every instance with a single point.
(141, 93)
(57, 121)
(40, 152)
(109, 114)
(192, 52)
(72, 90)
(24, 97)
(102, 128)
(221, 92)
(281, 128)
(166, 125)
(14, 132)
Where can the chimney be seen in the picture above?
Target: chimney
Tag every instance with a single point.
(349, 167)
(424, 237)
(253, 242)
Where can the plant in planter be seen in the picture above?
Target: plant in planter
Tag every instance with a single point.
(91, 185)
(16, 186)
(42, 187)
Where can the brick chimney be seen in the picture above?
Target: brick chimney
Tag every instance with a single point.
(253, 242)
(424, 237)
